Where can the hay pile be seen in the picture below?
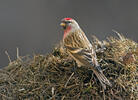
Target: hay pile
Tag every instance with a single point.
(57, 77)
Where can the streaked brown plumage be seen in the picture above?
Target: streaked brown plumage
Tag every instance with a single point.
(80, 49)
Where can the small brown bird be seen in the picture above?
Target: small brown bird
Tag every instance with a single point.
(80, 48)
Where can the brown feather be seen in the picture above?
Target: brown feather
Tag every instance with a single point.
(80, 49)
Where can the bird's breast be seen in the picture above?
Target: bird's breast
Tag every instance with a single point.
(77, 39)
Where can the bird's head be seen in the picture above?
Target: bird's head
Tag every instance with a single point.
(68, 25)
(69, 22)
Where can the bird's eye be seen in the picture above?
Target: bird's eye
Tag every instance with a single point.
(67, 22)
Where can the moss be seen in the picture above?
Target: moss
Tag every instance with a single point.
(56, 75)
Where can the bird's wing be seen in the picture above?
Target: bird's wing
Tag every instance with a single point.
(85, 56)
(88, 58)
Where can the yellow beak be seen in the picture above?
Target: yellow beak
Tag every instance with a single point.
(63, 24)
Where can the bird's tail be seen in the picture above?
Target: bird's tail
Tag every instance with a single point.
(103, 80)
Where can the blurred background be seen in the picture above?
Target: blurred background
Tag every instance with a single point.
(33, 25)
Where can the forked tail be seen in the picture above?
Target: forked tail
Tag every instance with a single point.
(103, 80)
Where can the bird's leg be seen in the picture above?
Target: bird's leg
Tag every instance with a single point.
(74, 68)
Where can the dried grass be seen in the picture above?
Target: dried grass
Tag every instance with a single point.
(57, 77)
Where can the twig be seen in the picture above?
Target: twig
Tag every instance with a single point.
(8, 56)
(9, 98)
(52, 98)
(117, 97)
(69, 79)
(121, 38)
(63, 97)
(103, 95)
(18, 57)
(53, 91)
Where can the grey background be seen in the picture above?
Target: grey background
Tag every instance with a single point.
(33, 25)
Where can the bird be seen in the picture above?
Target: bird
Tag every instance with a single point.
(80, 49)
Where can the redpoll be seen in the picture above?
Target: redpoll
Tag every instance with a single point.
(80, 49)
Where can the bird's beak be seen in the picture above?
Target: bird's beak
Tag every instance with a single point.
(62, 24)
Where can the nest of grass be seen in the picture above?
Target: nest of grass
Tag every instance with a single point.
(57, 77)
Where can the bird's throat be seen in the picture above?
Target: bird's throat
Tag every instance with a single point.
(66, 31)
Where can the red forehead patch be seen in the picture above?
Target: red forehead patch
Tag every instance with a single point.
(67, 18)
